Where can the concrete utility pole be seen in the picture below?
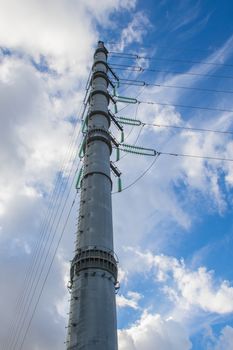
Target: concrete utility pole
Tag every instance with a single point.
(92, 320)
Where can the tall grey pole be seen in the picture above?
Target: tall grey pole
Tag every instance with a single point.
(92, 320)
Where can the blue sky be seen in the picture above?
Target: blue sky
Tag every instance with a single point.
(173, 229)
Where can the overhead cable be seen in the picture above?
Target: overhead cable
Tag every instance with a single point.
(185, 106)
(59, 188)
(143, 83)
(187, 128)
(39, 249)
(35, 287)
(141, 176)
(197, 156)
(138, 122)
(135, 56)
(48, 271)
(18, 332)
(153, 152)
(159, 70)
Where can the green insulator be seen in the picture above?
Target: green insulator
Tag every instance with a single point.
(78, 183)
(81, 151)
(126, 99)
(139, 150)
(122, 136)
(84, 126)
(115, 108)
(117, 154)
(128, 121)
(119, 185)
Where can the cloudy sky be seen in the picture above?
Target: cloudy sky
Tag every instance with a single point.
(173, 228)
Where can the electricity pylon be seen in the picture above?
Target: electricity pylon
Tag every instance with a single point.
(93, 277)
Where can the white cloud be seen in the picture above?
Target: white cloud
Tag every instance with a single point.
(61, 304)
(64, 32)
(122, 275)
(225, 340)
(153, 332)
(134, 32)
(131, 300)
(27, 118)
(188, 288)
(191, 15)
